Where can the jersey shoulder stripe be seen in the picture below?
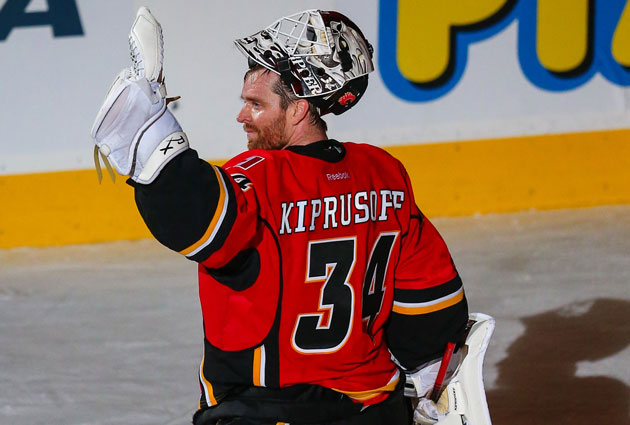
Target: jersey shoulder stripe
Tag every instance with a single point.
(429, 306)
(423, 295)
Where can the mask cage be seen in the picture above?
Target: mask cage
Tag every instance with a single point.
(301, 34)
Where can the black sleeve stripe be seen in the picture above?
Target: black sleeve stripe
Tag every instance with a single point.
(221, 224)
(423, 301)
(215, 222)
(178, 206)
(416, 296)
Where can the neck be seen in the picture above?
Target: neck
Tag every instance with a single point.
(306, 135)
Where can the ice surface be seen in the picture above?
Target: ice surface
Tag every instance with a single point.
(111, 334)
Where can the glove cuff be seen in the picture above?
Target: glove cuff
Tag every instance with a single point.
(166, 150)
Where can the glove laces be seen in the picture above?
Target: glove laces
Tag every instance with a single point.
(137, 65)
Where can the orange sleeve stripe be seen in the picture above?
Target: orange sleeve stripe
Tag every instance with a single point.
(219, 213)
(210, 399)
(257, 363)
(410, 309)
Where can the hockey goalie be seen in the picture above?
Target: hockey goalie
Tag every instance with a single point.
(320, 279)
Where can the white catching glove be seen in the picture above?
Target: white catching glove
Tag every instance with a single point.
(134, 130)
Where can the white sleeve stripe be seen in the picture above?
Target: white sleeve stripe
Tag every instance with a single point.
(430, 303)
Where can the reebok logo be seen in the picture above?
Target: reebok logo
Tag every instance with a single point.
(338, 176)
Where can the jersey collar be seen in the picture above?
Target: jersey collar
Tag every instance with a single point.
(328, 150)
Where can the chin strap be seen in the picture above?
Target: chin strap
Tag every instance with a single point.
(285, 71)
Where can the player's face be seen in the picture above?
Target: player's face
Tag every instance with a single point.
(262, 117)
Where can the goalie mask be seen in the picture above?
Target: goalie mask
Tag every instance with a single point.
(322, 56)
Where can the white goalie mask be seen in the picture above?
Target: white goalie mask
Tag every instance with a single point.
(323, 56)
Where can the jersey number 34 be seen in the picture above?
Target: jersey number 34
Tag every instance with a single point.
(332, 262)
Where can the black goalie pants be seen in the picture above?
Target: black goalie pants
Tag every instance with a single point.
(395, 410)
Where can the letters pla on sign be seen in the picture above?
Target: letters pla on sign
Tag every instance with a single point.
(561, 44)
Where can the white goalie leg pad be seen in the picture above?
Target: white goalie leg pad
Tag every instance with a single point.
(467, 402)
(132, 123)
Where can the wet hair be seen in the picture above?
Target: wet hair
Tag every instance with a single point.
(287, 97)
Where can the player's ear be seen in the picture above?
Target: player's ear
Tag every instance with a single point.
(298, 111)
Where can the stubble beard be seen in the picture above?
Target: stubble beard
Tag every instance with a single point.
(268, 138)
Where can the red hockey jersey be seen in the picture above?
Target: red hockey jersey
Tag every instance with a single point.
(314, 264)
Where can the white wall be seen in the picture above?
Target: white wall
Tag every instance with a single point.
(52, 87)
